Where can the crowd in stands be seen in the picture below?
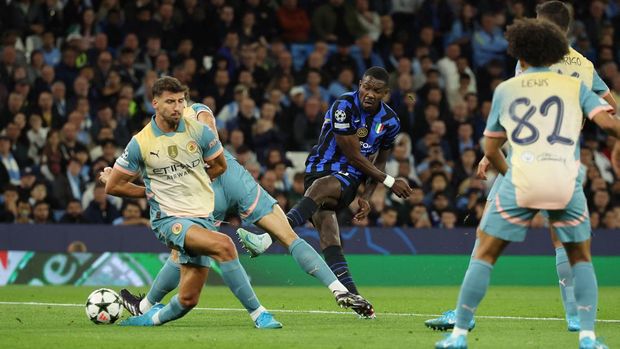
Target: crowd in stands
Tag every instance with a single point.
(76, 76)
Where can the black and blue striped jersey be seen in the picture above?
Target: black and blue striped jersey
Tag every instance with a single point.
(346, 117)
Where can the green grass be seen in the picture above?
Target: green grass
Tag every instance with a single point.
(56, 327)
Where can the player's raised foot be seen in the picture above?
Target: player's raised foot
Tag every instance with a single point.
(145, 319)
(446, 322)
(356, 302)
(589, 343)
(266, 321)
(255, 244)
(131, 302)
(573, 323)
(452, 342)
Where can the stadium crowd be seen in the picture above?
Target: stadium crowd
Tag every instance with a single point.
(75, 78)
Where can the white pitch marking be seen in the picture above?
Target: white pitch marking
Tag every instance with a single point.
(332, 312)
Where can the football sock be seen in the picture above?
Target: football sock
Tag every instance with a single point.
(565, 277)
(171, 311)
(310, 261)
(237, 280)
(336, 262)
(299, 214)
(473, 250)
(586, 294)
(166, 281)
(472, 291)
(256, 313)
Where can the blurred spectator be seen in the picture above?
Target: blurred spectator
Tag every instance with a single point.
(9, 169)
(8, 210)
(364, 55)
(131, 215)
(24, 213)
(336, 19)
(100, 210)
(73, 213)
(77, 247)
(308, 124)
(388, 218)
(69, 185)
(488, 41)
(41, 213)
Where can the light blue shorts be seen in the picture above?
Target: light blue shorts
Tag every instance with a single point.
(237, 191)
(507, 221)
(172, 230)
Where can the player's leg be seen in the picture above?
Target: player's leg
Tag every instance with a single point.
(503, 222)
(221, 248)
(193, 278)
(320, 192)
(565, 277)
(326, 223)
(448, 318)
(572, 227)
(276, 224)
(166, 280)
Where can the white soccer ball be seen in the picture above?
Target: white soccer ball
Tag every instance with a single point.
(103, 306)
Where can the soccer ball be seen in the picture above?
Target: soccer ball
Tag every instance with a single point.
(103, 306)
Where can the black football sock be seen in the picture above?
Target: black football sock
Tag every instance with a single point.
(299, 214)
(338, 264)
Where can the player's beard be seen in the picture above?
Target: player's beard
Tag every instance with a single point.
(171, 120)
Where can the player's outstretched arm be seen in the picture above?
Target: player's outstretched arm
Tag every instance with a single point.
(379, 160)
(610, 124)
(119, 183)
(350, 146)
(216, 166)
(609, 98)
(493, 152)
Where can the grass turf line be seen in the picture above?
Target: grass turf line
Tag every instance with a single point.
(30, 326)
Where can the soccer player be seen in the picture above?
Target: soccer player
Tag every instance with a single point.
(236, 189)
(170, 154)
(538, 112)
(575, 65)
(357, 126)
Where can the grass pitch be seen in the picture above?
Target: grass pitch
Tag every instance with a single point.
(509, 317)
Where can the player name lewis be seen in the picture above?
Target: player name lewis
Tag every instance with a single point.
(535, 82)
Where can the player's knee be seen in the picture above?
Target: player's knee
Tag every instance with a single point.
(322, 188)
(189, 300)
(226, 249)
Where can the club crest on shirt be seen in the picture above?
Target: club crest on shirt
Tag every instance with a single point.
(192, 147)
(362, 132)
(176, 228)
(173, 151)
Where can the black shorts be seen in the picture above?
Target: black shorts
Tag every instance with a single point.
(348, 185)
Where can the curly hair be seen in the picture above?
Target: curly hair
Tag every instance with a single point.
(537, 42)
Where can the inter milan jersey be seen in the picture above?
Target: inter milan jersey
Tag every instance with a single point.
(346, 117)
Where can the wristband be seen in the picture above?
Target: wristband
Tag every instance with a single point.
(389, 181)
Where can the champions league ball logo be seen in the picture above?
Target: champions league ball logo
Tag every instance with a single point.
(340, 115)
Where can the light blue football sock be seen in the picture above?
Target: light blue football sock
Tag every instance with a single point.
(586, 294)
(167, 280)
(565, 277)
(473, 250)
(472, 291)
(171, 311)
(311, 262)
(237, 280)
